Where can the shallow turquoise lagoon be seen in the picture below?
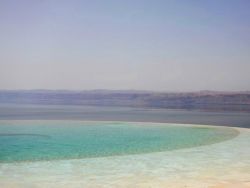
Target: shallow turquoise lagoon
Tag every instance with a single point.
(54, 140)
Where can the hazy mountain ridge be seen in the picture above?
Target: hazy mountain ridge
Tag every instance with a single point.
(203, 100)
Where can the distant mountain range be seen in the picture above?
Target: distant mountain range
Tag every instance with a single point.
(203, 100)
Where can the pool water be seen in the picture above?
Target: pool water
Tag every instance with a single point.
(55, 140)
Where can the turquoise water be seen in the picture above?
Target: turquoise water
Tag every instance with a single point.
(53, 140)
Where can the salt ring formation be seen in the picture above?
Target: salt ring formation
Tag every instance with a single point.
(121, 154)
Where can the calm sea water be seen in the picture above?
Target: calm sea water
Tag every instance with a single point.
(11, 111)
(47, 133)
(51, 140)
(65, 139)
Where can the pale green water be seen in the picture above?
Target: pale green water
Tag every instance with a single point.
(52, 140)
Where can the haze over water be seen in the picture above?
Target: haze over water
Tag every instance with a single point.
(143, 45)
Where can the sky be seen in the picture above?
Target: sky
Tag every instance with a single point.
(160, 45)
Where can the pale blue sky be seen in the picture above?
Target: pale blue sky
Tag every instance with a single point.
(145, 45)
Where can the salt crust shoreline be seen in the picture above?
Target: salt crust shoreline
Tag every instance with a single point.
(138, 180)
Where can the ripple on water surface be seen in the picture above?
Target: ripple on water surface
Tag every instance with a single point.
(52, 140)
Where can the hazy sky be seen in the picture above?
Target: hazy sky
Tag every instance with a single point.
(121, 44)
